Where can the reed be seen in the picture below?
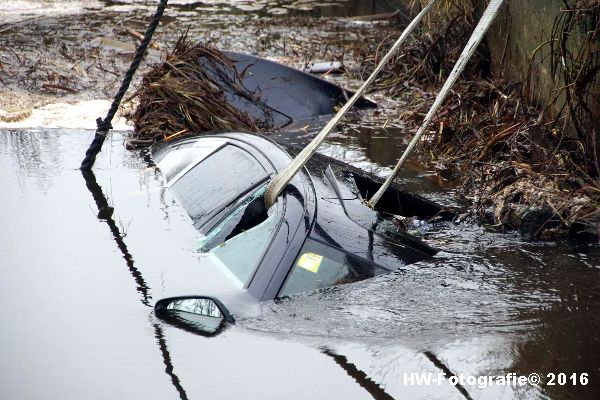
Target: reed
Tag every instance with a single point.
(508, 155)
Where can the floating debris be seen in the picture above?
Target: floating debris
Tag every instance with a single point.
(181, 96)
(334, 67)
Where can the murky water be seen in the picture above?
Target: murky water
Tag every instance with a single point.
(76, 290)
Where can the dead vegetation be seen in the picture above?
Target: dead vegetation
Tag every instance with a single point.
(188, 93)
(519, 167)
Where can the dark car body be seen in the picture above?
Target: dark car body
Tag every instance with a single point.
(280, 94)
(318, 234)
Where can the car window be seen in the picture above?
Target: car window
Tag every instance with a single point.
(217, 181)
(238, 243)
(319, 265)
(248, 214)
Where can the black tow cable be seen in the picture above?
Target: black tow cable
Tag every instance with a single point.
(104, 125)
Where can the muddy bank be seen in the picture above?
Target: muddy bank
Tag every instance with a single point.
(81, 52)
(517, 163)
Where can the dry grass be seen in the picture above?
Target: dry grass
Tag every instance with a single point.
(181, 95)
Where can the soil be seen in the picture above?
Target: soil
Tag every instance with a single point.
(518, 166)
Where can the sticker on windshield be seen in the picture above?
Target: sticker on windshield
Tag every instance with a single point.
(310, 262)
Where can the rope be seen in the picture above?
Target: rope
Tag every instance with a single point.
(104, 125)
(486, 20)
(285, 176)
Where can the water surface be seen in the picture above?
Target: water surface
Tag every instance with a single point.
(78, 322)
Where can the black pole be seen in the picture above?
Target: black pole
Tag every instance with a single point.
(104, 125)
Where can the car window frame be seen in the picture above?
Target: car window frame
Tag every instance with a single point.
(299, 215)
(348, 256)
(280, 214)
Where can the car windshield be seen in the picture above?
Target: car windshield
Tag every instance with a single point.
(319, 265)
(239, 241)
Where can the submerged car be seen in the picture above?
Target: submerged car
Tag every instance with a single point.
(318, 234)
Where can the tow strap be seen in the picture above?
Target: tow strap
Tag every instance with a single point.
(486, 20)
(279, 182)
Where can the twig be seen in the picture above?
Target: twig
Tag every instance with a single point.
(61, 87)
(140, 37)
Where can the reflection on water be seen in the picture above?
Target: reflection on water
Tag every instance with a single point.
(105, 213)
(30, 160)
(535, 306)
(447, 373)
(169, 369)
(359, 376)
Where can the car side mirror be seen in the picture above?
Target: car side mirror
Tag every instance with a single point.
(202, 315)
